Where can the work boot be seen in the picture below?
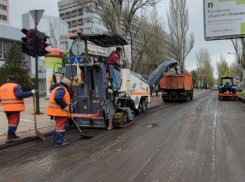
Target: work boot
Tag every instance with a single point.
(15, 136)
(61, 145)
(110, 127)
(64, 141)
(12, 137)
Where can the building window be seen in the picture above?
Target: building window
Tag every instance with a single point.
(62, 16)
(74, 13)
(88, 30)
(4, 7)
(69, 24)
(3, 17)
(1, 48)
(80, 21)
(80, 11)
(68, 15)
(88, 20)
(74, 23)
(88, 9)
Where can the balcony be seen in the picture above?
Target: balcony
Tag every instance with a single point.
(80, 11)
(74, 13)
(74, 23)
(62, 16)
(80, 22)
(68, 15)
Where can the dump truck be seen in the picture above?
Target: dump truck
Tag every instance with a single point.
(227, 90)
(177, 87)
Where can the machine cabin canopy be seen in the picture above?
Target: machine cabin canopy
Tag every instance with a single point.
(106, 39)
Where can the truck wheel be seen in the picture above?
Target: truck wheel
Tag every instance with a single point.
(191, 97)
(187, 98)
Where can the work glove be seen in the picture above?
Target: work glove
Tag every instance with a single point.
(66, 108)
(33, 91)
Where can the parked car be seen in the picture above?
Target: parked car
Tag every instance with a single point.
(238, 89)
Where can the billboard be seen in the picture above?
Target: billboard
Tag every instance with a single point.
(224, 19)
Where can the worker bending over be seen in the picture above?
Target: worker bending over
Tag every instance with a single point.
(58, 107)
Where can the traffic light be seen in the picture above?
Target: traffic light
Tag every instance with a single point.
(42, 38)
(28, 45)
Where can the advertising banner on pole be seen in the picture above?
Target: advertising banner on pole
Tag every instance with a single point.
(53, 61)
(224, 19)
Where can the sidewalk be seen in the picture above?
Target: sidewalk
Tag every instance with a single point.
(26, 124)
(241, 98)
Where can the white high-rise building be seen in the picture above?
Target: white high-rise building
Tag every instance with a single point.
(80, 16)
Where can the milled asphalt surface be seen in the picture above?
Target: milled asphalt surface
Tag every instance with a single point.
(202, 140)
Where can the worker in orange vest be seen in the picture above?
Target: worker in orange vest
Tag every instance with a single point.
(11, 97)
(58, 107)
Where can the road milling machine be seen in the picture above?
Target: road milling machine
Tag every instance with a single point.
(227, 90)
(103, 100)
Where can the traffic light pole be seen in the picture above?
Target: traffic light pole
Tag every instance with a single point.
(36, 66)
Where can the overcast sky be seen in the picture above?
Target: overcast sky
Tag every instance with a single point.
(215, 48)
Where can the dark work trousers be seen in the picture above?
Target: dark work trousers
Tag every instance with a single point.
(13, 121)
(60, 128)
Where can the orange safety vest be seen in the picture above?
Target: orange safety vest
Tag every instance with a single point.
(53, 108)
(8, 100)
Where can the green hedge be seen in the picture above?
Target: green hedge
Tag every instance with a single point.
(241, 93)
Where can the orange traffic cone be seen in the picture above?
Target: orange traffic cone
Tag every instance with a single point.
(160, 96)
(155, 97)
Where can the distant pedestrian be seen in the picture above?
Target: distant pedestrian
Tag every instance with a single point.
(58, 107)
(11, 97)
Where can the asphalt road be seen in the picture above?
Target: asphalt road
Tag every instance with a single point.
(202, 140)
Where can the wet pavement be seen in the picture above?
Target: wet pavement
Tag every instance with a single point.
(201, 140)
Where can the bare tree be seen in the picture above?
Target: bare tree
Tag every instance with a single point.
(236, 70)
(151, 46)
(178, 42)
(239, 46)
(118, 14)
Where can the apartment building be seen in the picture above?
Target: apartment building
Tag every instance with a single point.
(80, 16)
(4, 12)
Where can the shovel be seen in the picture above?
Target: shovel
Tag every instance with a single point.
(35, 121)
(83, 136)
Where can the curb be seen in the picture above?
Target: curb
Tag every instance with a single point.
(26, 136)
(241, 98)
(29, 137)
(24, 140)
